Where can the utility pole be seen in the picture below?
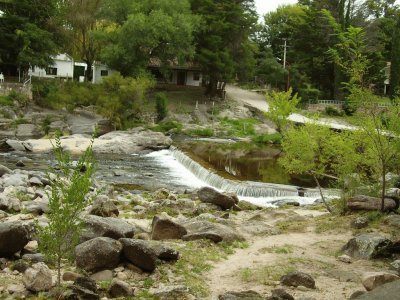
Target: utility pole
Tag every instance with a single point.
(284, 53)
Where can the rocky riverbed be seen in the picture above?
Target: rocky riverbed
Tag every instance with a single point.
(198, 245)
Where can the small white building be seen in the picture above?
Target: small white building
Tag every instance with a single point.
(100, 71)
(63, 67)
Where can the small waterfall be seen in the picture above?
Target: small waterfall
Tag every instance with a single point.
(241, 188)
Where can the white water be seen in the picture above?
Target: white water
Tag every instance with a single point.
(187, 171)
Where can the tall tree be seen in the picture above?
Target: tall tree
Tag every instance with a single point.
(28, 33)
(160, 30)
(223, 39)
(395, 61)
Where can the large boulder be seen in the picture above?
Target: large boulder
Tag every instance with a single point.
(201, 229)
(367, 246)
(13, 238)
(298, 278)
(114, 228)
(163, 228)
(38, 278)
(98, 254)
(361, 202)
(372, 280)
(209, 195)
(139, 253)
(388, 291)
(105, 208)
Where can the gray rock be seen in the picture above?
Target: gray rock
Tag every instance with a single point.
(367, 246)
(171, 292)
(212, 231)
(16, 145)
(27, 130)
(114, 228)
(4, 170)
(105, 275)
(244, 295)
(374, 279)
(393, 220)
(83, 288)
(361, 202)
(15, 179)
(359, 222)
(3, 214)
(209, 195)
(13, 238)
(119, 288)
(36, 206)
(280, 294)
(34, 257)
(163, 228)
(356, 294)
(35, 181)
(298, 279)
(20, 164)
(395, 266)
(388, 291)
(139, 253)
(164, 252)
(38, 278)
(344, 258)
(98, 254)
(104, 209)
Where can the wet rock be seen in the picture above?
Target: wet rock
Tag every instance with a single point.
(163, 228)
(105, 275)
(298, 279)
(38, 278)
(367, 246)
(213, 231)
(119, 288)
(280, 294)
(388, 291)
(244, 295)
(359, 222)
(139, 253)
(4, 170)
(114, 228)
(374, 279)
(171, 292)
(209, 195)
(98, 254)
(361, 202)
(104, 209)
(13, 238)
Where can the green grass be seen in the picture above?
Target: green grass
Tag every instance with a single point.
(268, 138)
(21, 196)
(239, 128)
(6, 101)
(167, 126)
(203, 132)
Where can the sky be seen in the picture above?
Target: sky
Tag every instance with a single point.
(264, 6)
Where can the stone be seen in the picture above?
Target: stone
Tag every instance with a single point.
(119, 288)
(83, 288)
(280, 294)
(70, 276)
(139, 253)
(388, 291)
(210, 195)
(32, 246)
(395, 266)
(367, 246)
(15, 179)
(298, 279)
(4, 170)
(20, 266)
(171, 292)
(98, 254)
(359, 222)
(38, 278)
(20, 164)
(15, 289)
(164, 252)
(104, 209)
(344, 258)
(13, 238)
(16, 145)
(35, 181)
(361, 202)
(105, 275)
(36, 207)
(374, 279)
(198, 229)
(163, 228)
(393, 220)
(114, 228)
(356, 294)
(34, 257)
(244, 295)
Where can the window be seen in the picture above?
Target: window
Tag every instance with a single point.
(51, 71)
(104, 73)
(196, 76)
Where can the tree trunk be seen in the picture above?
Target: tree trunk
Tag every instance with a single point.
(212, 87)
(383, 189)
(89, 72)
(58, 270)
(322, 195)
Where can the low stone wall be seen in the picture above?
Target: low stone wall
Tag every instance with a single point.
(7, 87)
(322, 107)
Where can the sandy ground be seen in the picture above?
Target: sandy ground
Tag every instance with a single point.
(314, 253)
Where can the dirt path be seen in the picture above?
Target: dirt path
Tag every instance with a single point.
(259, 266)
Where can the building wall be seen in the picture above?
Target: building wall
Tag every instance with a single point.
(99, 72)
(191, 80)
(63, 64)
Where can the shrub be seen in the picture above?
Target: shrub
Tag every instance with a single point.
(268, 138)
(167, 126)
(20, 98)
(67, 199)
(332, 111)
(161, 106)
(204, 132)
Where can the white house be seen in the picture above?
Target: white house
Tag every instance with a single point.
(63, 67)
(100, 71)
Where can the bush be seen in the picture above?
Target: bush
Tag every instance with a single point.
(204, 132)
(161, 106)
(6, 101)
(167, 126)
(268, 138)
(332, 111)
(19, 98)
